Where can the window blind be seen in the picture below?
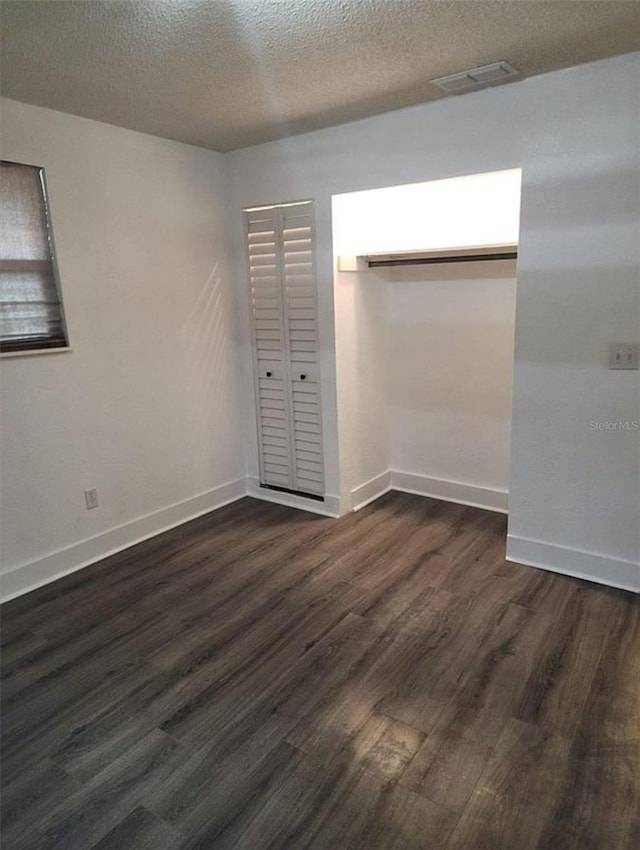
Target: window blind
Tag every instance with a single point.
(31, 314)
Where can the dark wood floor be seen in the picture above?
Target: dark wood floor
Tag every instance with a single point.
(265, 678)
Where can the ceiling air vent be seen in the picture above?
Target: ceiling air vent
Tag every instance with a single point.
(477, 78)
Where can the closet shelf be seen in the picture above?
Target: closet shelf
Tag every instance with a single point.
(468, 254)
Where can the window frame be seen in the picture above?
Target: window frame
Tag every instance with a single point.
(25, 346)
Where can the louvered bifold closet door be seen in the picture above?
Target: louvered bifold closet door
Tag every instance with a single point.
(271, 372)
(286, 351)
(301, 325)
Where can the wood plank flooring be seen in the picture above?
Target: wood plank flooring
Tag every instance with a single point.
(266, 678)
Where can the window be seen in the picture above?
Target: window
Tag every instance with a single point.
(31, 315)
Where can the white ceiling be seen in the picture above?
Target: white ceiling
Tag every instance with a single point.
(225, 74)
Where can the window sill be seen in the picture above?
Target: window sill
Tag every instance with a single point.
(36, 352)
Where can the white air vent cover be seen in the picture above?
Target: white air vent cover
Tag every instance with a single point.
(477, 78)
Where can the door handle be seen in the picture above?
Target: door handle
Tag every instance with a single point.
(302, 377)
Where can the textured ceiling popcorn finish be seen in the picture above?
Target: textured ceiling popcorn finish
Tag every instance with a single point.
(225, 74)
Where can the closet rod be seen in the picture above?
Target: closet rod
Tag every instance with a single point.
(424, 261)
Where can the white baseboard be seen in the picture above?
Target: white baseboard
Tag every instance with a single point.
(450, 491)
(329, 507)
(602, 569)
(28, 576)
(573, 562)
(370, 490)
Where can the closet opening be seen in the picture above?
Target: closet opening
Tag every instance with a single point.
(425, 295)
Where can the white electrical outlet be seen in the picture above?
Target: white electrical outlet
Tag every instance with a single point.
(91, 498)
(624, 355)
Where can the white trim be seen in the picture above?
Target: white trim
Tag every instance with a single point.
(35, 352)
(614, 572)
(370, 490)
(277, 206)
(28, 576)
(348, 263)
(491, 499)
(330, 506)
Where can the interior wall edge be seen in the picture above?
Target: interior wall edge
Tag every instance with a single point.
(592, 566)
(29, 576)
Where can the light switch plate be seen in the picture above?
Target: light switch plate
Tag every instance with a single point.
(624, 355)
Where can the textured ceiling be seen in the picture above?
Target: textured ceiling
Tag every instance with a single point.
(224, 74)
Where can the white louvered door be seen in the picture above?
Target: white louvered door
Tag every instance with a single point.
(270, 369)
(284, 314)
(301, 326)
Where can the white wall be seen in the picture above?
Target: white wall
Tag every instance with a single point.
(460, 212)
(574, 492)
(145, 407)
(362, 355)
(425, 363)
(451, 364)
